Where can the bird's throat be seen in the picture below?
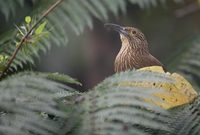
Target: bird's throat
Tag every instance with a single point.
(124, 59)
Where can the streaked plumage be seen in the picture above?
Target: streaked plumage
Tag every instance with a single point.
(134, 53)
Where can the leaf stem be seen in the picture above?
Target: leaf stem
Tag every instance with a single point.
(50, 9)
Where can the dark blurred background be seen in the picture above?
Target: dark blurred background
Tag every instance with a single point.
(90, 57)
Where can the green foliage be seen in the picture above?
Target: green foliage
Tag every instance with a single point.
(31, 45)
(42, 104)
(33, 104)
(9, 7)
(28, 19)
(186, 121)
(117, 110)
(3, 61)
(40, 29)
(62, 78)
(24, 97)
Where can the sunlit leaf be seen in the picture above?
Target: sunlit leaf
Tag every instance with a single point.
(40, 28)
(28, 19)
(175, 93)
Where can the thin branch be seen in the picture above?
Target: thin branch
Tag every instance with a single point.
(50, 9)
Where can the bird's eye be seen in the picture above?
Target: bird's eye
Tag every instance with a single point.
(133, 32)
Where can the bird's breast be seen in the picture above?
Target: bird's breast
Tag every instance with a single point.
(125, 60)
(128, 59)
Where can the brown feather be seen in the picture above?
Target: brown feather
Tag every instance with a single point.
(134, 52)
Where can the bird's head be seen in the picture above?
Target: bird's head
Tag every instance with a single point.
(130, 36)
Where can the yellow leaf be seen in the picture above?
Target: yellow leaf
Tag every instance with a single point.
(176, 93)
(152, 69)
(185, 87)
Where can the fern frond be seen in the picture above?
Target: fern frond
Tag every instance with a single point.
(9, 7)
(187, 120)
(22, 58)
(24, 98)
(117, 110)
(110, 108)
(61, 78)
(78, 14)
(147, 3)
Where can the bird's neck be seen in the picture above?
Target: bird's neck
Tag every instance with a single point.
(137, 50)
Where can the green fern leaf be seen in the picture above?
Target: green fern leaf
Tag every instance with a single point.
(24, 97)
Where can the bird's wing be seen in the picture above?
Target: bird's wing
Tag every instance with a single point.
(148, 60)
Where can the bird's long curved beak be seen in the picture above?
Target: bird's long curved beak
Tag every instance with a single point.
(117, 28)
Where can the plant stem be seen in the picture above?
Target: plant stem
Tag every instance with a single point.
(50, 9)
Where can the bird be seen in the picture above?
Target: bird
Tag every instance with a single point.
(134, 52)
